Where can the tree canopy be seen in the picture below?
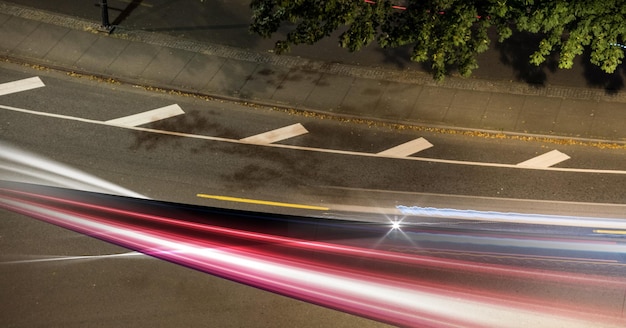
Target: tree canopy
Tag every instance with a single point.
(448, 34)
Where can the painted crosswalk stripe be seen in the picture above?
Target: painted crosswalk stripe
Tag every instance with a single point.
(407, 148)
(148, 117)
(546, 160)
(269, 137)
(21, 85)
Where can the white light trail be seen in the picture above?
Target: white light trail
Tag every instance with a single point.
(401, 302)
(31, 168)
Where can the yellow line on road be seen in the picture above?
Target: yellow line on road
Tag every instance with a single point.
(263, 202)
(611, 232)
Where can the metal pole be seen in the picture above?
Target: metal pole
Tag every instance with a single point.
(105, 14)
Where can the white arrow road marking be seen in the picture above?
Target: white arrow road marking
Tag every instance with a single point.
(21, 85)
(148, 117)
(269, 137)
(546, 160)
(407, 148)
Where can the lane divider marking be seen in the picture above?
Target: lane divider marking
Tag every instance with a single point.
(610, 232)
(319, 150)
(263, 202)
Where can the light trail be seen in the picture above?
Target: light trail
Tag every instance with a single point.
(74, 258)
(376, 283)
(511, 217)
(37, 169)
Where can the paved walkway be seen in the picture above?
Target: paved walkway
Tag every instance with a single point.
(158, 60)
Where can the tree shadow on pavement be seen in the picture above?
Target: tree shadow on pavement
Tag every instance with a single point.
(193, 28)
(515, 52)
(399, 57)
(123, 13)
(220, 22)
(193, 122)
(596, 77)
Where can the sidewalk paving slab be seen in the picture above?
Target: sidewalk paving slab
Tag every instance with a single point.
(362, 98)
(4, 18)
(576, 116)
(263, 82)
(41, 40)
(166, 65)
(14, 31)
(296, 87)
(467, 107)
(101, 54)
(610, 122)
(398, 100)
(133, 60)
(502, 111)
(329, 92)
(71, 47)
(538, 115)
(230, 79)
(432, 104)
(198, 71)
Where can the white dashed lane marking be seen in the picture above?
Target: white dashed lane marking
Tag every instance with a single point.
(323, 150)
(546, 160)
(273, 136)
(407, 148)
(21, 85)
(148, 117)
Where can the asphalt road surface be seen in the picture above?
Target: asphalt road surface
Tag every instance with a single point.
(69, 120)
(207, 152)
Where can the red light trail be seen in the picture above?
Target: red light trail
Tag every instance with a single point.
(340, 270)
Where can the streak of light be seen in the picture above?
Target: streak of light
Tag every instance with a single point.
(369, 252)
(37, 169)
(510, 217)
(323, 273)
(75, 258)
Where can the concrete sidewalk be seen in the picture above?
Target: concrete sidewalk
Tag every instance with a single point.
(157, 60)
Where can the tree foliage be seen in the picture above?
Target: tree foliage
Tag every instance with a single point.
(571, 26)
(450, 33)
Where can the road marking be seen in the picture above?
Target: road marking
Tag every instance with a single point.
(263, 202)
(407, 148)
(148, 117)
(610, 232)
(546, 160)
(21, 85)
(273, 136)
(314, 149)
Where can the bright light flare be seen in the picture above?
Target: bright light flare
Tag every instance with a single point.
(395, 225)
